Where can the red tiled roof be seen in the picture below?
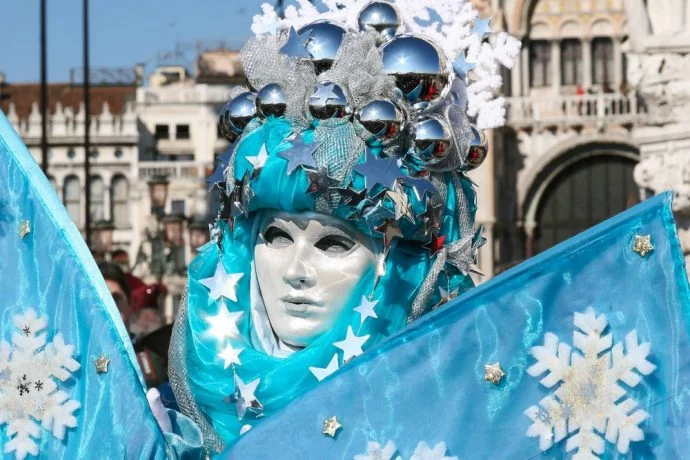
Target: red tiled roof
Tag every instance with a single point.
(23, 95)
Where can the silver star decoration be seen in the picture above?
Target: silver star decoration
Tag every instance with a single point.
(422, 187)
(378, 214)
(224, 324)
(222, 284)
(366, 309)
(245, 400)
(322, 372)
(482, 27)
(230, 355)
(643, 245)
(259, 160)
(383, 171)
(402, 205)
(324, 93)
(462, 254)
(247, 192)
(390, 231)
(300, 154)
(462, 67)
(446, 296)
(351, 345)
(296, 45)
(320, 181)
(23, 229)
(432, 217)
(101, 364)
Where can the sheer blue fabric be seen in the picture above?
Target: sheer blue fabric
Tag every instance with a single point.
(52, 271)
(427, 382)
(283, 379)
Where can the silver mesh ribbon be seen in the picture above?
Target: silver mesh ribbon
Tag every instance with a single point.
(359, 68)
(465, 223)
(263, 63)
(179, 381)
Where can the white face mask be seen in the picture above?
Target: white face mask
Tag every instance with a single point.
(307, 266)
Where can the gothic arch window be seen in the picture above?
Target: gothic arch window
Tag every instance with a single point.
(71, 192)
(602, 61)
(119, 194)
(571, 62)
(97, 191)
(540, 63)
(582, 195)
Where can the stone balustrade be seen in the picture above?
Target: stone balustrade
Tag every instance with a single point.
(64, 123)
(174, 94)
(599, 109)
(191, 170)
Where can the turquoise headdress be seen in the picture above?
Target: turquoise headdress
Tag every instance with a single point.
(332, 122)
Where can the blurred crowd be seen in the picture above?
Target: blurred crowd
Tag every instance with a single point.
(140, 305)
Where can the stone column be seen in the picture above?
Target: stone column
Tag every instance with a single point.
(516, 77)
(587, 62)
(524, 64)
(617, 63)
(556, 66)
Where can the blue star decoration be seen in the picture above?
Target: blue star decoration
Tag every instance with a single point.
(296, 45)
(482, 27)
(462, 67)
(382, 171)
(218, 175)
(300, 154)
(422, 187)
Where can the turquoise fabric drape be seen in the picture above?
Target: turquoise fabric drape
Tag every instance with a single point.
(51, 271)
(427, 383)
(283, 379)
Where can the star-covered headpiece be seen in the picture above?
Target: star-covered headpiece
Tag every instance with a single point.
(379, 107)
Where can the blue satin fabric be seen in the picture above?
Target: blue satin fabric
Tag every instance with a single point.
(427, 383)
(283, 379)
(52, 271)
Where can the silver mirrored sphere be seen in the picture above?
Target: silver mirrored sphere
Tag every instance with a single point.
(237, 114)
(323, 43)
(271, 100)
(478, 150)
(420, 68)
(431, 139)
(328, 100)
(382, 18)
(382, 118)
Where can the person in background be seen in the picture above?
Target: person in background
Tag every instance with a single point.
(145, 321)
(119, 288)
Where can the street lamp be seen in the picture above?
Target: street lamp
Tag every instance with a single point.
(103, 230)
(173, 230)
(198, 232)
(158, 191)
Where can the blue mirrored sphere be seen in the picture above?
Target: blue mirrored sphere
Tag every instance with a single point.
(328, 100)
(382, 118)
(271, 100)
(383, 18)
(420, 68)
(236, 114)
(323, 42)
(431, 139)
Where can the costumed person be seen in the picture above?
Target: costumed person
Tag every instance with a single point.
(315, 323)
(347, 212)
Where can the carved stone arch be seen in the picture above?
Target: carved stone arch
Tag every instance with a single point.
(521, 17)
(539, 177)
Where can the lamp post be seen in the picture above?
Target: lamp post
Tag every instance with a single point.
(198, 232)
(103, 236)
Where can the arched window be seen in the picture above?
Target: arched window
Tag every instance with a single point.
(71, 193)
(97, 198)
(571, 62)
(540, 63)
(602, 61)
(119, 194)
(584, 194)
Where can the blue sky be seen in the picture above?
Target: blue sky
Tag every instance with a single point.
(123, 32)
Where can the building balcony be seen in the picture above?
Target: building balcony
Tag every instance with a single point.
(190, 170)
(176, 94)
(589, 109)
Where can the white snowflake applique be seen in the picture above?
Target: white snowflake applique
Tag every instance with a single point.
(28, 391)
(589, 407)
(388, 452)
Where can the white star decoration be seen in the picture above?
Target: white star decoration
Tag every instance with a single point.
(245, 397)
(366, 309)
(222, 284)
(224, 324)
(259, 160)
(352, 345)
(322, 372)
(231, 355)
